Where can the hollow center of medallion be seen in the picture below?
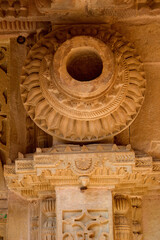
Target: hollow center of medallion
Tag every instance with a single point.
(84, 64)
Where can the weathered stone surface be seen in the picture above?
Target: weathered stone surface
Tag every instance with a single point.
(87, 68)
(17, 218)
(83, 108)
(151, 218)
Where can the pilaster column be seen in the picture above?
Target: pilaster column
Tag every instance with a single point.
(34, 210)
(49, 226)
(122, 226)
(136, 203)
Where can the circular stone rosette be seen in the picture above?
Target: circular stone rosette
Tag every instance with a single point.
(83, 83)
(84, 166)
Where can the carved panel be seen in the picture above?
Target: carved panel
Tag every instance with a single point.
(156, 166)
(84, 214)
(88, 224)
(145, 161)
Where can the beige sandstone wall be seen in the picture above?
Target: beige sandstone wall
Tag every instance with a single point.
(18, 218)
(151, 218)
(145, 131)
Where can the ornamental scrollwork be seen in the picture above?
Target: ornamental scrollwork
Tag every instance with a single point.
(86, 224)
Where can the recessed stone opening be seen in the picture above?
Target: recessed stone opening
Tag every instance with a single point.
(84, 64)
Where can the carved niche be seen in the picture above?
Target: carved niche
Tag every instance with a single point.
(83, 102)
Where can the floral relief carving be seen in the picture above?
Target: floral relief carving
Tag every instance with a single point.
(95, 114)
(85, 224)
(83, 164)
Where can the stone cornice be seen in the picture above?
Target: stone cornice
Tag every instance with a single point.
(86, 166)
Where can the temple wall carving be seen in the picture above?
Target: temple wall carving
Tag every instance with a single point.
(151, 216)
(85, 191)
(79, 120)
(92, 220)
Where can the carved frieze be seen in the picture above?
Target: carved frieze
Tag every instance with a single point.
(15, 26)
(25, 16)
(50, 6)
(85, 166)
(82, 110)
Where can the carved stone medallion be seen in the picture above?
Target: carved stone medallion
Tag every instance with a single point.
(83, 83)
